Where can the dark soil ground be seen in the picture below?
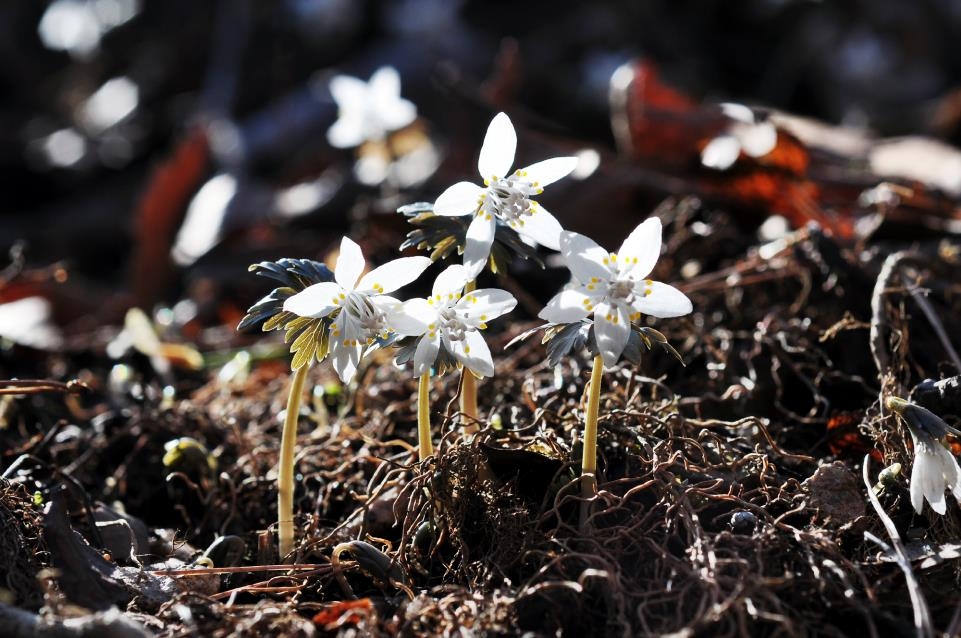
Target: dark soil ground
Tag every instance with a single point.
(739, 492)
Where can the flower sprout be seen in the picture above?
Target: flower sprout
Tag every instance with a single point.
(505, 196)
(368, 111)
(935, 467)
(614, 288)
(357, 304)
(755, 136)
(449, 322)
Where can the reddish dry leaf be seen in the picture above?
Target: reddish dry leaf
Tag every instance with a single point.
(343, 613)
(160, 213)
(669, 128)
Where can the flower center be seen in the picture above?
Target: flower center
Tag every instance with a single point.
(454, 327)
(509, 198)
(621, 289)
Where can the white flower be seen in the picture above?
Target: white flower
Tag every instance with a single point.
(368, 110)
(360, 302)
(935, 467)
(447, 319)
(614, 287)
(505, 196)
(746, 132)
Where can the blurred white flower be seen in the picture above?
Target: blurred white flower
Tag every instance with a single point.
(746, 132)
(453, 321)
(505, 196)
(935, 467)
(368, 111)
(360, 303)
(613, 286)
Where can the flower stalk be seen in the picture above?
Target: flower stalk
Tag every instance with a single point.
(285, 478)
(468, 387)
(424, 446)
(589, 457)
(468, 401)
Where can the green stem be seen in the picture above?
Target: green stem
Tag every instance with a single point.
(425, 447)
(589, 459)
(285, 474)
(468, 387)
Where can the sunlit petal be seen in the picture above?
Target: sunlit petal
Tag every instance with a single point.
(451, 280)
(721, 152)
(384, 84)
(474, 353)
(462, 198)
(757, 139)
(917, 495)
(497, 154)
(477, 248)
(397, 114)
(412, 318)
(349, 92)
(426, 353)
(738, 112)
(612, 328)
(567, 306)
(541, 226)
(639, 252)
(393, 274)
(347, 132)
(350, 263)
(316, 301)
(478, 307)
(549, 171)
(661, 300)
(346, 346)
(584, 258)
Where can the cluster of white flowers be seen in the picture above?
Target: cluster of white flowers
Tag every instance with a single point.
(364, 312)
(611, 286)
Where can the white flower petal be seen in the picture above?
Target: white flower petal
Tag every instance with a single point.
(497, 154)
(480, 306)
(344, 354)
(933, 485)
(549, 171)
(412, 318)
(315, 301)
(477, 248)
(738, 112)
(451, 280)
(640, 250)
(350, 263)
(463, 198)
(542, 227)
(384, 84)
(757, 140)
(663, 300)
(721, 152)
(584, 258)
(612, 328)
(917, 495)
(567, 306)
(347, 132)
(426, 353)
(397, 114)
(393, 274)
(349, 92)
(473, 352)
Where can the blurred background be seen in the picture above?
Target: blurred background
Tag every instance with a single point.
(150, 150)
